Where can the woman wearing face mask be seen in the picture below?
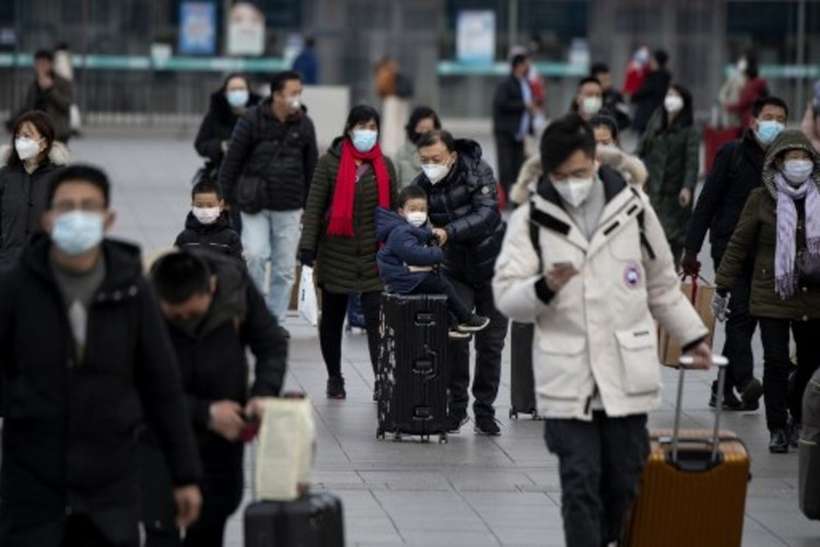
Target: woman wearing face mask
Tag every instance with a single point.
(779, 230)
(408, 166)
(228, 103)
(352, 179)
(589, 99)
(670, 149)
(30, 162)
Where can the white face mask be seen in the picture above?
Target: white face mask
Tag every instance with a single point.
(295, 102)
(435, 172)
(591, 105)
(673, 103)
(574, 190)
(206, 215)
(416, 218)
(26, 148)
(797, 171)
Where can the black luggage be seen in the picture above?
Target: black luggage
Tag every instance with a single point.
(314, 520)
(355, 313)
(809, 466)
(413, 374)
(522, 382)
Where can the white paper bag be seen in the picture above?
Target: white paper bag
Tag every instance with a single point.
(307, 306)
(284, 453)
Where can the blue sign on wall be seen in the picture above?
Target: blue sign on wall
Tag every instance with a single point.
(197, 28)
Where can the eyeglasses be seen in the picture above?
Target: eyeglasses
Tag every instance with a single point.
(89, 206)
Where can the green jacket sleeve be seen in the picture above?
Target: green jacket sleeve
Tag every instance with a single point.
(742, 243)
(317, 204)
(690, 179)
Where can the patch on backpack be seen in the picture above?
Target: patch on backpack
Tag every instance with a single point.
(632, 275)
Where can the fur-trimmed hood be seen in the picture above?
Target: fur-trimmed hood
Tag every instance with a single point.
(59, 154)
(789, 139)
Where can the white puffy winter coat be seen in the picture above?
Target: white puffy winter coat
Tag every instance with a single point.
(595, 336)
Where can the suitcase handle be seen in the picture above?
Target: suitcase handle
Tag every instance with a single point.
(425, 366)
(422, 413)
(425, 319)
(685, 361)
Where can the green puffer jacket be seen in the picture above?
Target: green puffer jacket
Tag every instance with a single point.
(344, 265)
(755, 238)
(672, 158)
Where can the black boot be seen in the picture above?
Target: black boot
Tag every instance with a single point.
(779, 442)
(750, 394)
(730, 401)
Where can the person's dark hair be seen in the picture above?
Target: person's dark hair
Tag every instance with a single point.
(420, 113)
(607, 121)
(44, 125)
(661, 57)
(518, 59)
(361, 113)
(84, 173)
(752, 68)
(759, 104)
(562, 138)
(437, 136)
(44, 54)
(598, 68)
(206, 187)
(280, 80)
(685, 117)
(413, 191)
(233, 75)
(180, 275)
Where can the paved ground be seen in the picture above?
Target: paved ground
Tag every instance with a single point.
(472, 491)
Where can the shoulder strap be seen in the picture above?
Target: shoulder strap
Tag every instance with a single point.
(535, 238)
(641, 218)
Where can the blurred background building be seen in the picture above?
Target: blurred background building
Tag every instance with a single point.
(166, 56)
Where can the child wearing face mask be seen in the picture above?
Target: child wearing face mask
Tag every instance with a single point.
(408, 261)
(208, 226)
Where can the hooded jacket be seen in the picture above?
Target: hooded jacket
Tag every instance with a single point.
(464, 204)
(596, 335)
(219, 237)
(755, 240)
(24, 199)
(71, 426)
(55, 101)
(404, 246)
(218, 125)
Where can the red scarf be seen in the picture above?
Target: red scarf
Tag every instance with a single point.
(341, 209)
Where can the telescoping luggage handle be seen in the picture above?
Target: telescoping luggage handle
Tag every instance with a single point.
(686, 362)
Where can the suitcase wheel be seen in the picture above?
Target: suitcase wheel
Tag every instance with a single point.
(535, 415)
(442, 439)
(425, 438)
(397, 437)
(513, 414)
(380, 434)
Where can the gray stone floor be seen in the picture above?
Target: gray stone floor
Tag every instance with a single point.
(472, 491)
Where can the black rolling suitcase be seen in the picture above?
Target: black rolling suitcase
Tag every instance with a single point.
(314, 520)
(522, 382)
(809, 459)
(413, 373)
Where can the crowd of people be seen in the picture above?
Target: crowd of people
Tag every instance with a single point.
(592, 255)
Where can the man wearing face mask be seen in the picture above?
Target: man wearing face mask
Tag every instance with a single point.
(738, 170)
(588, 101)
(75, 405)
(266, 174)
(463, 210)
(586, 261)
(513, 112)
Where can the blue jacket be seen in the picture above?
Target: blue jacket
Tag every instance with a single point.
(404, 245)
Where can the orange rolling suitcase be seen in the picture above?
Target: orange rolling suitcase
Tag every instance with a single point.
(693, 490)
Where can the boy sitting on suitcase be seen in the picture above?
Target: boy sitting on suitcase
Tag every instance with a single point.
(409, 259)
(208, 226)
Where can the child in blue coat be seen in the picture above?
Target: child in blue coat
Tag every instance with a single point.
(409, 259)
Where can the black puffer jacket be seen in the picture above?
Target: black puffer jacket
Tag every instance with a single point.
(281, 155)
(466, 206)
(70, 430)
(218, 237)
(217, 126)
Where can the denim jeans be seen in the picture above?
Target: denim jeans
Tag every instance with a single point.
(272, 236)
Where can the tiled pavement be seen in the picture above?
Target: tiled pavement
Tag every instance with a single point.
(472, 491)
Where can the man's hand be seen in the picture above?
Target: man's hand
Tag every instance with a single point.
(307, 257)
(441, 235)
(188, 500)
(254, 408)
(720, 305)
(701, 356)
(226, 419)
(690, 263)
(559, 276)
(685, 197)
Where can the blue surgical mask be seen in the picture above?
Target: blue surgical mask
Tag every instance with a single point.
(237, 98)
(768, 130)
(77, 232)
(364, 139)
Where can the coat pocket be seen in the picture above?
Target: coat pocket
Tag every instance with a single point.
(639, 360)
(561, 366)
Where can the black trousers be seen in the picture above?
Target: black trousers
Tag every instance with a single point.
(80, 531)
(434, 283)
(600, 463)
(489, 343)
(777, 366)
(334, 310)
(740, 328)
(510, 154)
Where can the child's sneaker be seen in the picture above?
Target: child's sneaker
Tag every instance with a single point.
(474, 324)
(456, 334)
